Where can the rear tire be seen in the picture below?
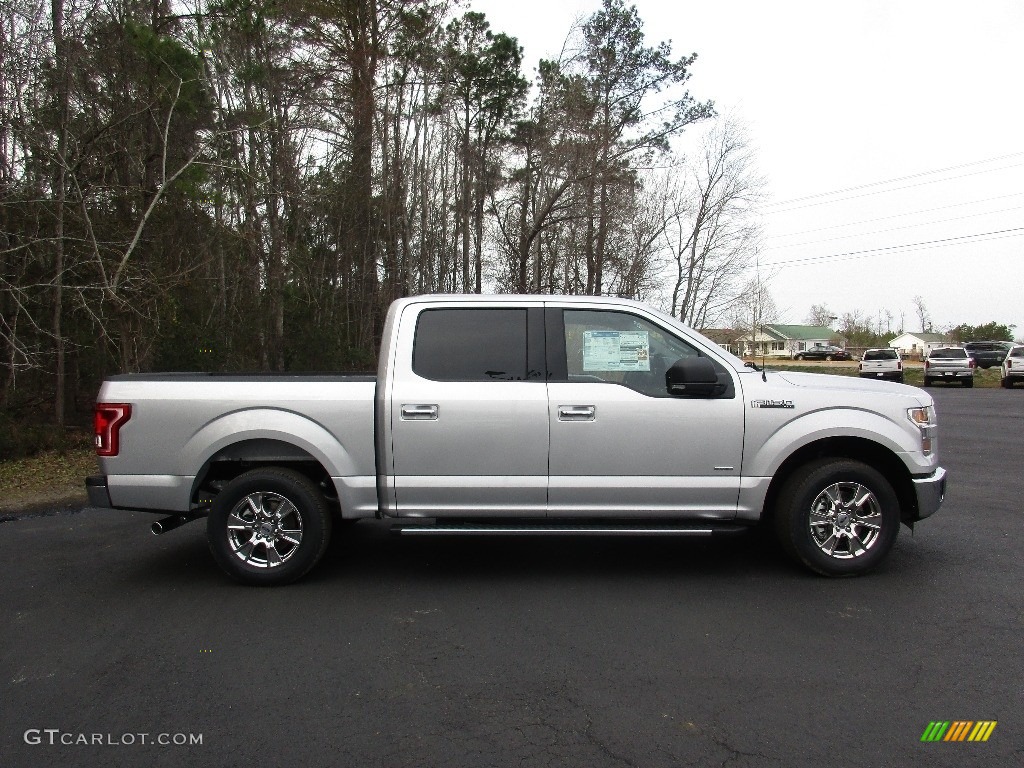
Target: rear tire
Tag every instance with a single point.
(927, 381)
(838, 517)
(269, 526)
(1005, 383)
(968, 383)
(899, 379)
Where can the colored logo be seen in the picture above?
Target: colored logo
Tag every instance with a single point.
(959, 730)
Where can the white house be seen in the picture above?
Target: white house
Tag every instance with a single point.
(918, 344)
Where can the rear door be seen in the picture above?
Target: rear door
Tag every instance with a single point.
(469, 424)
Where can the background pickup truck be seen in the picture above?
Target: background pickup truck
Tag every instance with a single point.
(538, 415)
(881, 364)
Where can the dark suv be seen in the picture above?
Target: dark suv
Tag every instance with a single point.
(987, 354)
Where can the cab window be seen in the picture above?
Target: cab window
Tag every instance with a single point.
(471, 345)
(620, 348)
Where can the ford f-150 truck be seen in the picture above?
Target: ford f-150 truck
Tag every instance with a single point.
(523, 415)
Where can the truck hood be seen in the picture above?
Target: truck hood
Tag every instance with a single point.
(822, 381)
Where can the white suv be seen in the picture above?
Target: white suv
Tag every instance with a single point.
(1012, 368)
(881, 364)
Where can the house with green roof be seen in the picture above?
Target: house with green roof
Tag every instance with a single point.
(777, 340)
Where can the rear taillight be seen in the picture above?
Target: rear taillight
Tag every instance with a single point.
(107, 420)
(860, 366)
(1009, 364)
(926, 364)
(972, 363)
(899, 366)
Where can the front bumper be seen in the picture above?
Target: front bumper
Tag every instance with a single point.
(96, 487)
(930, 491)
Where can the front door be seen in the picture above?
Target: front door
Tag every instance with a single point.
(620, 445)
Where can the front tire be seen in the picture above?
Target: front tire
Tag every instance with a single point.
(269, 526)
(838, 517)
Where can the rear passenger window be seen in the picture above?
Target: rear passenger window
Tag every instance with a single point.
(471, 345)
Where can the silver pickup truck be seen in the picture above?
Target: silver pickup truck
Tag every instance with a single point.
(532, 415)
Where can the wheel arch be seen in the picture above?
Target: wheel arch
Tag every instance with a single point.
(254, 437)
(237, 458)
(859, 449)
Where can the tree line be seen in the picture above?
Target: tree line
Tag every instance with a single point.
(247, 184)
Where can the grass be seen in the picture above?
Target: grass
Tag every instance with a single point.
(913, 373)
(50, 477)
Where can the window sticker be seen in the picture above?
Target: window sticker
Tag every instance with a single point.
(616, 351)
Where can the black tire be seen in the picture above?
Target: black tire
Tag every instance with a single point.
(927, 381)
(828, 358)
(1006, 382)
(899, 379)
(967, 382)
(859, 536)
(269, 508)
(799, 357)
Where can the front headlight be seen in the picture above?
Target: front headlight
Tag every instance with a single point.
(924, 420)
(922, 416)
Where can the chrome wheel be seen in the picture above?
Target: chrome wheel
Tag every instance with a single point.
(845, 520)
(264, 529)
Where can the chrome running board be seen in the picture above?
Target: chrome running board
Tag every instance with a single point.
(564, 528)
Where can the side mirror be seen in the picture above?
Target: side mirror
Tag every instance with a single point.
(692, 377)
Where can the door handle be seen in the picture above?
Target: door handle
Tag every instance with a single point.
(419, 412)
(576, 412)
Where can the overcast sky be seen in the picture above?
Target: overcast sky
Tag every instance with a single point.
(913, 107)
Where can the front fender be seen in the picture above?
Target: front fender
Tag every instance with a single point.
(765, 458)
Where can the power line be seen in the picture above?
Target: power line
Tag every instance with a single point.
(890, 229)
(907, 246)
(898, 179)
(893, 189)
(895, 216)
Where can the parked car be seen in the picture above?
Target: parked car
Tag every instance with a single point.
(949, 364)
(1012, 369)
(881, 364)
(823, 352)
(987, 354)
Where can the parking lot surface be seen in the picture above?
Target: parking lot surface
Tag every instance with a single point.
(527, 652)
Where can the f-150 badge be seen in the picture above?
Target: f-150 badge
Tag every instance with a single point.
(771, 404)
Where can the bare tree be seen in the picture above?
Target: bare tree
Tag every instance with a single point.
(755, 308)
(820, 314)
(923, 318)
(712, 234)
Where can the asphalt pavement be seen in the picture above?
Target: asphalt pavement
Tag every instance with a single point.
(526, 652)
